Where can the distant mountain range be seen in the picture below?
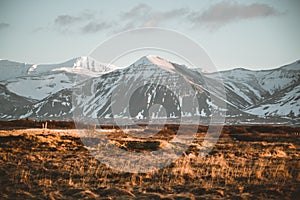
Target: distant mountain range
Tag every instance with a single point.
(84, 87)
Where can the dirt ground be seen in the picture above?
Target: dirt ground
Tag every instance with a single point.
(259, 162)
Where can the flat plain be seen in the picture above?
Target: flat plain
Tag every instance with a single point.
(248, 162)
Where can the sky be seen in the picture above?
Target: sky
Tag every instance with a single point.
(250, 34)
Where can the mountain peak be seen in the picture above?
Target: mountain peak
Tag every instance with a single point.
(157, 61)
(92, 64)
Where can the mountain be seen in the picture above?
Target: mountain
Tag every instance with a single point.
(11, 69)
(39, 81)
(13, 106)
(84, 89)
(267, 92)
(149, 81)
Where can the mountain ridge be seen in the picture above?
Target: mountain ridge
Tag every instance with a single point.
(248, 90)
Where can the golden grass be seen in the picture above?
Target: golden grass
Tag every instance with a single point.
(53, 164)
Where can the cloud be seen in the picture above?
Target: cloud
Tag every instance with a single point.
(4, 25)
(84, 22)
(226, 12)
(64, 20)
(158, 18)
(143, 15)
(176, 13)
(136, 11)
(93, 27)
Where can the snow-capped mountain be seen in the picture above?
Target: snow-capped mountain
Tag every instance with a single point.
(152, 80)
(39, 81)
(267, 92)
(81, 65)
(53, 91)
(12, 106)
(11, 69)
(285, 102)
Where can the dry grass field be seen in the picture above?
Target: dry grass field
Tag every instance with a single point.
(248, 162)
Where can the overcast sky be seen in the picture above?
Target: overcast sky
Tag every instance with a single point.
(249, 34)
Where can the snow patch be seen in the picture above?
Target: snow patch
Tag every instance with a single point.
(161, 63)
